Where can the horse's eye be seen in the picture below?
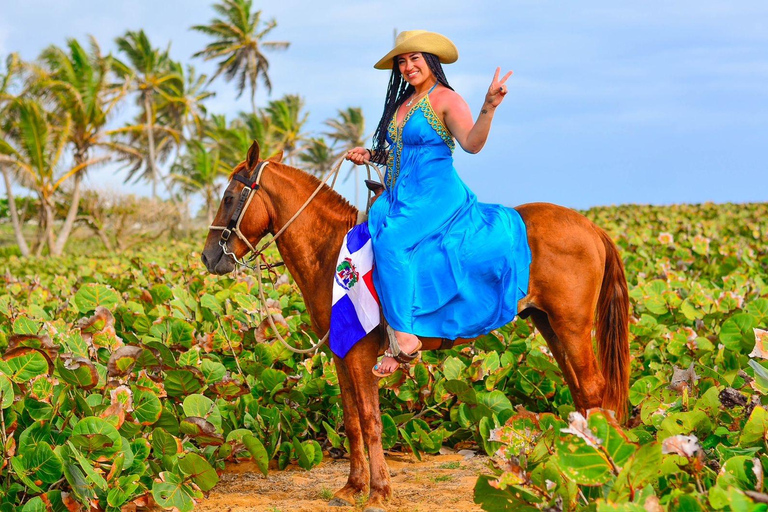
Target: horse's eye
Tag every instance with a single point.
(228, 201)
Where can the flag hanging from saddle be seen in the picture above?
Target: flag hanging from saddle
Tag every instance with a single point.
(355, 310)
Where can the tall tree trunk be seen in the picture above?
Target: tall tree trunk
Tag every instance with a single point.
(151, 142)
(47, 220)
(98, 228)
(74, 206)
(23, 247)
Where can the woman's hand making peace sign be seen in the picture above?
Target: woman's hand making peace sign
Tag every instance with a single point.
(497, 89)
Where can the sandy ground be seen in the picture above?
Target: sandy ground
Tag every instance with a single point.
(437, 483)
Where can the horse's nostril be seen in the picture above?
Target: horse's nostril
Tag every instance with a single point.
(205, 260)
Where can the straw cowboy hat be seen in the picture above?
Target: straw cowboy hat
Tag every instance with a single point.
(420, 41)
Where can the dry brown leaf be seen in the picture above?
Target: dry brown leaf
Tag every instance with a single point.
(761, 344)
(118, 411)
(687, 446)
(578, 426)
(683, 378)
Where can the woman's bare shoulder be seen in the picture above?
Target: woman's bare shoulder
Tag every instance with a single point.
(444, 97)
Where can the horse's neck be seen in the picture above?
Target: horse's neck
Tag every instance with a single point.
(310, 245)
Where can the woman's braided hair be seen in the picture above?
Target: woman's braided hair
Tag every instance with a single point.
(397, 92)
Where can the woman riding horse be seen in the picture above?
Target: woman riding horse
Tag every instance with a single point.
(446, 266)
(576, 284)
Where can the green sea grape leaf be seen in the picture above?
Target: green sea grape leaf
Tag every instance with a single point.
(172, 492)
(92, 295)
(174, 332)
(203, 431)
(463, 391)
(582, 463)
(759, 309)
(213, 371)
(25, 325)
(122, 360)
(761, 376)
(452, 368)
(271, 379)
(737, 332)
(147, 407)
(183, 382)
(616, 444)
(98, 438)
(87, 466)
(755, 431)
(43, 463)
(496, 401)
(305, 459)
(258, 452)
(643, 467)
(493, 499)
(388, 431)
(6, 392)
(78, 371)
(24, 364)
(203, 407)
(164, 444)
(36, 504)
(199, 470)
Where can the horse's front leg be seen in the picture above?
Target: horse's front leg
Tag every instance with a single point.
(358, 467)
(359, 362)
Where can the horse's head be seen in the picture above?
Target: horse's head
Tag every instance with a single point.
(243, 218)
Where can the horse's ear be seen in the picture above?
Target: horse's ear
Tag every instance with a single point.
(277, 157)
(253, 156)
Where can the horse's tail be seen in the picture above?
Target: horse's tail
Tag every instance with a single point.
(613, 330)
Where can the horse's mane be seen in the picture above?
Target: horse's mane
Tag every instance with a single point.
(331, 199)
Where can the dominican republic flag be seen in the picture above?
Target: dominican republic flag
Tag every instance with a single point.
(355, 310)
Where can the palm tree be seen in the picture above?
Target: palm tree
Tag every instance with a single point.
(34, 147)
(287, 122)
(348, 129)
(181, 106)
(198, 171)
(83, 86)
(12, 65)
(232, 140)
(182, 101)
(318, 156)
(239, 39)
(347, 132)
(150, 71)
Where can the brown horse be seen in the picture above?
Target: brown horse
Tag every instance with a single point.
(576, 275)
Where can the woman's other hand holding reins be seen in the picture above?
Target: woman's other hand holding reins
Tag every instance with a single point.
(358, 155)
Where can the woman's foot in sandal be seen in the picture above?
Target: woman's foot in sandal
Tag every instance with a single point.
(409, 350)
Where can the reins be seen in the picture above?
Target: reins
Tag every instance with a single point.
(233, 226)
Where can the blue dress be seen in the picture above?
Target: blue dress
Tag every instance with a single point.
(445, 265)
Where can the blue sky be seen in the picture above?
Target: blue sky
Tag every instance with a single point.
(611, 102)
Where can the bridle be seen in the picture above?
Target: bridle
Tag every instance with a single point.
(233, 226)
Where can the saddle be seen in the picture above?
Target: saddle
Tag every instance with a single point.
(375, 187)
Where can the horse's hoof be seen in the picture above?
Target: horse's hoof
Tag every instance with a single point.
(374, 509)
(338, 502)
